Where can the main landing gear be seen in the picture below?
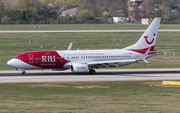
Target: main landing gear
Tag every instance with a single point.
(24, 73)
(92, 72)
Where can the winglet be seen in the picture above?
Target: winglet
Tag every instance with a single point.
(70, 46)
(145, 56)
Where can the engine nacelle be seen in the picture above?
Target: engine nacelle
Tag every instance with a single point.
(79, 68)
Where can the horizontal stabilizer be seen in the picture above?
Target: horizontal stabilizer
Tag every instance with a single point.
(162, 51)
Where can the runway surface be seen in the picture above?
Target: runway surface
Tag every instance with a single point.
(102, 75)
(74, 31)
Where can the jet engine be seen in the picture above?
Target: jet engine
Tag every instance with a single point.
(79, 68)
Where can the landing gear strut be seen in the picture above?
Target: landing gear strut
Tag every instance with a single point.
(92, 72)
(24, 73)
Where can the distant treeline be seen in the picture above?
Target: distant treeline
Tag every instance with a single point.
(29, 11)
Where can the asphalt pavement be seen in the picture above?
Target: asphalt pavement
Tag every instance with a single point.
(101, 75)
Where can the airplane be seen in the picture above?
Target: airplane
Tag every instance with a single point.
(82, 61)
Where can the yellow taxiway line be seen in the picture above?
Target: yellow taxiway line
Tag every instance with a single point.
(171, 82)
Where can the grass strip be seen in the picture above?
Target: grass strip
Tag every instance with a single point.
(122, 96)
(12, 44)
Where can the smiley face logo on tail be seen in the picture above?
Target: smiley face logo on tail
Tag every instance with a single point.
(146, 37)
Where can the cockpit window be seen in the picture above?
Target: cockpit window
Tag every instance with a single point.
(18, 57)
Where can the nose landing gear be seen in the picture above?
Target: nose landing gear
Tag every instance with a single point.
(23, 71)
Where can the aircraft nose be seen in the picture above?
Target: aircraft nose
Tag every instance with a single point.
(10, 62)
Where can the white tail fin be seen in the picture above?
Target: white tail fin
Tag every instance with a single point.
(148, 39)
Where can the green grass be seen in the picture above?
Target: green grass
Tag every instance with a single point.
(12, 44)
(82, 26)
(89, 97)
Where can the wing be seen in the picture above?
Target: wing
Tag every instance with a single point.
(109, 63)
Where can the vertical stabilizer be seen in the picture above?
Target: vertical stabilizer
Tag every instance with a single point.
(148, 39)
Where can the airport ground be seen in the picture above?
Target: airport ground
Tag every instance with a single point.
(111, 95)
(101, 75)
(82, 26)
(12, 44)
(83, 31)
(90, 96)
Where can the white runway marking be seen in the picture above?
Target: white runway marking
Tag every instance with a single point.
(102, 75)
(74, 31)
